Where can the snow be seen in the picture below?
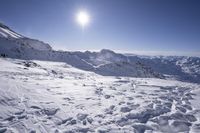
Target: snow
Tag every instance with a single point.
(9, 34)
(14, 45)
(42, 90)
(45, 96)
(178, 67)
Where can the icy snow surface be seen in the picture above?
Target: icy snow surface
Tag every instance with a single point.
(54, 97)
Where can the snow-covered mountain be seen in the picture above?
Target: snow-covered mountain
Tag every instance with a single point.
(178, 67)
(105, 62)
(18, 41)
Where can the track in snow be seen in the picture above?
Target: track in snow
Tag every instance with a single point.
(54, 97)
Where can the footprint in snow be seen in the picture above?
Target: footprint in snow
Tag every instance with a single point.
(110, 110)
(50, 111)
(107, 96)
(67, 98)
(130, 98)
(35, 107)
(99, 92)
(125, 109)
(84, 118)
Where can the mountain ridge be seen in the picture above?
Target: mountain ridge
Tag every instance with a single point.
(105, 62)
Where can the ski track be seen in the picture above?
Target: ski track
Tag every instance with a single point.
(53, 97)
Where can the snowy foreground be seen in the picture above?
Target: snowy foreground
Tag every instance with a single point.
(53, 97)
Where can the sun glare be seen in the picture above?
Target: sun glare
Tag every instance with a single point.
(83, 18)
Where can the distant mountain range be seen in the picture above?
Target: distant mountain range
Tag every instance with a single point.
(105, 62)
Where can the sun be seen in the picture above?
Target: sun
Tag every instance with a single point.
(83, 18)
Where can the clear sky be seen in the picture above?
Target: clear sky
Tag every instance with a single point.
(125, 25)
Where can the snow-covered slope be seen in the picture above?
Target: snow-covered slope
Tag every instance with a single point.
(54, 97)
(5, 32)
(14, 44)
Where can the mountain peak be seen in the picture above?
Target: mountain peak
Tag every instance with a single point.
(105, 51)
(10, 39)
(6, 32)
(4, 26)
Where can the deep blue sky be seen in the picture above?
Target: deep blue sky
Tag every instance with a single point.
(126, 25)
